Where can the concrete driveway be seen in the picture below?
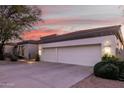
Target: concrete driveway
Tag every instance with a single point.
(42, 75)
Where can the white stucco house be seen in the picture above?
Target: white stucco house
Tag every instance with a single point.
(84, 47)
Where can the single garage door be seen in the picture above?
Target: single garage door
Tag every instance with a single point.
(80, 55)
(49, 55)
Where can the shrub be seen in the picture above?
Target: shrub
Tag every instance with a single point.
(13, 58)
(98, 66)
(2, 57)
(7, 55)
(120, 65)
(20, 57)
(109, 58)
(114, 60)
(106, 70)
(37, 58)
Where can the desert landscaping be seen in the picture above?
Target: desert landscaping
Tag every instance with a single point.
(97, 82)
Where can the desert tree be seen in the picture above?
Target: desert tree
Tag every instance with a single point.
(14, 19)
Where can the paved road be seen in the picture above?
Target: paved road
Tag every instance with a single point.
(42, 75)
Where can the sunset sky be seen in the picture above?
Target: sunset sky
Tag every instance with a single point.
(60, 19)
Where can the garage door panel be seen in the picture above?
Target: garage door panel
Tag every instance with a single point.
(83, 55)
(49, 54)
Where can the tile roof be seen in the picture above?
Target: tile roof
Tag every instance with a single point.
(89, 33)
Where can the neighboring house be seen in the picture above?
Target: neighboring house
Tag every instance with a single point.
(27, 49)
(84, 47)
(9, 48)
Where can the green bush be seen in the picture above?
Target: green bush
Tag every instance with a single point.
(21, 57)
(109, 58)
(13, 58)
(106, 70)
(98, 66)
(120, 65)
(7, 55)
(37, 58)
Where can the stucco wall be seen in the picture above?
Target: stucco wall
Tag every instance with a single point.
(30, 49)
(88, 41)
(89, 50)
(119, 49)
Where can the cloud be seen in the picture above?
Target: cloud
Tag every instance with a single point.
(79, 24)
(55, 23)
(36, 34)
(58, 19)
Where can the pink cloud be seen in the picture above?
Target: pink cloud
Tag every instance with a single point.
(36, 34)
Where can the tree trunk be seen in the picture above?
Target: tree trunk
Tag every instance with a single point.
(2, 52)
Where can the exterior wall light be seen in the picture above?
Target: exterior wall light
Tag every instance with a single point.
(39, 50)
(107, 48)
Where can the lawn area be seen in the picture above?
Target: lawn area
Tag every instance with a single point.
(96, 82)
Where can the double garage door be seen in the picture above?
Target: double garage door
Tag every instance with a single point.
(79, 55)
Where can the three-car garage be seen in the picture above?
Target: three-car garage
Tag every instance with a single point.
(80, 55)
(84, 47)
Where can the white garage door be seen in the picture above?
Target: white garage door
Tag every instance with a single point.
(49, 55)
(80, 55)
